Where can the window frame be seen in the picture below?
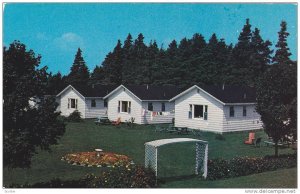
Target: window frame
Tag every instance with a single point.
(128, 107)
(93, 103)
(244, 111)
(191, 112)
(150, 103)
(231, 111)
(70, 100)
(163, 107)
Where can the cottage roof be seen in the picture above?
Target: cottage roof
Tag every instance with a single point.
(97, 90)
(226, 94)
(150, 92)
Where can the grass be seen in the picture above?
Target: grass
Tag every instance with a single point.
(176, 162)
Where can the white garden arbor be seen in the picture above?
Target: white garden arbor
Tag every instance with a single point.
(151, 153)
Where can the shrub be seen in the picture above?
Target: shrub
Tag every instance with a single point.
(75, 117)
(220, 168)
(122, 177)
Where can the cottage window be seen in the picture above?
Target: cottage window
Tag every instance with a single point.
(198, 111)
(72, 103)
(231, 111)
(124, 107)
(163, 107)
(244, 111)
(93, 103)
(150, 106)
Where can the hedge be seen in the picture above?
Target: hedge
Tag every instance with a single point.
(221, 169)
(122, 177)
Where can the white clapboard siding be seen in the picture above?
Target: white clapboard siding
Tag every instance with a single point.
(94, 112)
(215, 112)
(169, 106)
(158, 119)
(70, 93)
(57, 100)
(121, 95)
(239, 122)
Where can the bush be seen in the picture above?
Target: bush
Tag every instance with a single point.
(122, 177)
(220, 169)
(74, 117)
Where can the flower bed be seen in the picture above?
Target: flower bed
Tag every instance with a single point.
(105, 159)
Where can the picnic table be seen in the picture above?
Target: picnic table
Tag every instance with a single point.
(179, 130)
(267, 143)
(103, 120)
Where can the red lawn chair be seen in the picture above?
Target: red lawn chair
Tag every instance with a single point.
(117, 122)
(251, 138)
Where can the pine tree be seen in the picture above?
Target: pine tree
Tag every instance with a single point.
(97, 76)
(261, 57)
(277, 94)
(56, 83)
(282, 53)
(113, 65)
(79, 74)
(241, 53)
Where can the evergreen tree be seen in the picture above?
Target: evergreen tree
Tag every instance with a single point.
(128, 57)
(277, 94)
(25, 127)
(79, 74)
(97, 76)
(241, 53)
(282, 53)
(56, 83)
(261, 57)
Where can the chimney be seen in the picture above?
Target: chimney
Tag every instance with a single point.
(223, 86)
(245, 96)
(147, 87)
(164, 93)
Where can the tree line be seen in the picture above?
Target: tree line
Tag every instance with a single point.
(184, 63)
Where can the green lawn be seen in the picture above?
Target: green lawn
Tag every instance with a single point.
(176, 162)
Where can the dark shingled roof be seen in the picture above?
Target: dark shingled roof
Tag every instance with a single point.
(153, 92)
(96, 91)
(232, 94)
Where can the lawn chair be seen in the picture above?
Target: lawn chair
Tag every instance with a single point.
(98, 121)
(251, 139)
(257, 142)
(117, 122)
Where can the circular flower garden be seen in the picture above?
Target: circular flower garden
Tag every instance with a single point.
(104, 159)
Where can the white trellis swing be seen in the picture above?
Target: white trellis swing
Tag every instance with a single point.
(151, 153)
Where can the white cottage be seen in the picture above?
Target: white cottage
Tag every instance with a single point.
(146, 104)
(217, 108)
(87, 100)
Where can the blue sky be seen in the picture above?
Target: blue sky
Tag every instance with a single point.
(56, 30)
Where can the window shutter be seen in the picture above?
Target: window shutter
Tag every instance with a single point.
(205, 112)
(129, 107)
(68, 103)
(118, 106)
(190, 114)
(205, 115)
(76, 104)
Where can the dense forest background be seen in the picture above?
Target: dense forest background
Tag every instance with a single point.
(184, 63)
